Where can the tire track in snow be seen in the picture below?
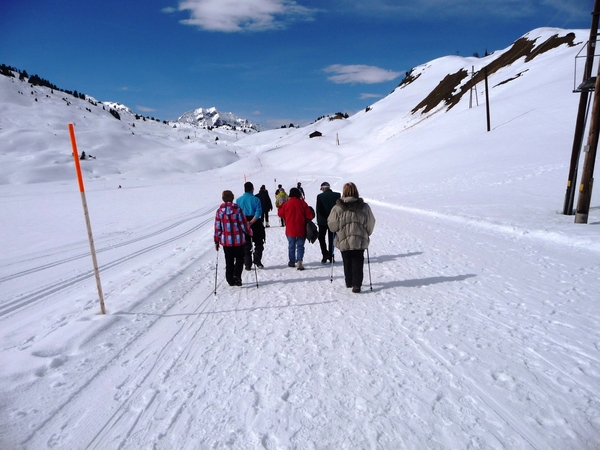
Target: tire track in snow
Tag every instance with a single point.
(25, 300)
(76, 408)
(102, 249)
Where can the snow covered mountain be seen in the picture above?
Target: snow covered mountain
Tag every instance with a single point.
(479, 322)
(40, 115)
(212, 118)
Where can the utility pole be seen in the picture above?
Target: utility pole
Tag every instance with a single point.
(587, 176)
(487, 98)
(474, 88)
(582, 112)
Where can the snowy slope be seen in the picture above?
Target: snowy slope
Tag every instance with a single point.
(36, 146)
(481, 330)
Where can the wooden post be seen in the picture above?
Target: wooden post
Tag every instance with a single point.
(87, 217)
(581, 115)
(487, 99)
(587, 176)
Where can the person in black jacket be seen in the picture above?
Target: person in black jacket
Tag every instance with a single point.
(325, 202)
(299, 187)
(267, 205)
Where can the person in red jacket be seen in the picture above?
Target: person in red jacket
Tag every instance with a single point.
(295, 212)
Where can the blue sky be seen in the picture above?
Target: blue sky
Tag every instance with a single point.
(274, 62)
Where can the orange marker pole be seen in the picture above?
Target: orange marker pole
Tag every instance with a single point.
(87, 216)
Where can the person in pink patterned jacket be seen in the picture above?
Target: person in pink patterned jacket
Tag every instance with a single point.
(231, 228)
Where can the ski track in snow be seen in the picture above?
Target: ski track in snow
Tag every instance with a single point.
(444, 347)
(29, 298)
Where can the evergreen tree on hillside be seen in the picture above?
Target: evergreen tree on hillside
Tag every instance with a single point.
(6, 70)
(36, 80)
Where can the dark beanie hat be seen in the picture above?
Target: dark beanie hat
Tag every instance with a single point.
(295, 192)
(248, 187)
(324, 184)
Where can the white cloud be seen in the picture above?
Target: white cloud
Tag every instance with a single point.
(359, 73)
(144, 109)
(365, 96)
(243, 15)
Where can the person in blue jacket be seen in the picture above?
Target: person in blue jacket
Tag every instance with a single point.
(252, 209)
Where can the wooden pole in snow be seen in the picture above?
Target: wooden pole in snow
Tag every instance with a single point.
(587, 175)
(582, 114)
(487, 99)
(87, 216)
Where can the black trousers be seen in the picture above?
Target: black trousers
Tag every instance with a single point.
(325, 241)
(354, 261)
(234, 262)
(258, 238)
(265, 217)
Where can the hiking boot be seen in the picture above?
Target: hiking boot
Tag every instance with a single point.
(248, 268)
(324, 261)
(259, 265)
(300, 266)
(267, 225)
(291, 264)
(356, 289)
(237, 281)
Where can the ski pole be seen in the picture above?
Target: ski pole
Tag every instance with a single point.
(255, 274)
(369, 265)
(216, 270)
(332, 255)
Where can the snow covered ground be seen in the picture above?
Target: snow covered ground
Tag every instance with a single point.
(478, 326)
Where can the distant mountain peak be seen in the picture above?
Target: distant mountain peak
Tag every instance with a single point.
(213, 118)
(119, 107)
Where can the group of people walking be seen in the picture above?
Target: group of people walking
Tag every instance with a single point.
(344, 221)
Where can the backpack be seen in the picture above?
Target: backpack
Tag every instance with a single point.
(280, 198)
(312, 232)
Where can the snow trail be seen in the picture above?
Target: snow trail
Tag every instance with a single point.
(442, 349)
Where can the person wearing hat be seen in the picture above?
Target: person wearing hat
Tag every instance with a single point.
(295, 212)
(325, 201)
